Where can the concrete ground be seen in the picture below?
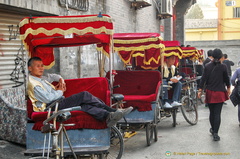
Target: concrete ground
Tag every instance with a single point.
(181, 142)
(190, 142)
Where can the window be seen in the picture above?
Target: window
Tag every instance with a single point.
(236, 12)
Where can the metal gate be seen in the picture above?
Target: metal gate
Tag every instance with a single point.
(10, 54)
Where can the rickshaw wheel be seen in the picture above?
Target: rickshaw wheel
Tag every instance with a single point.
(189, 110)
(156, 121)
(155, 133)
(116, 144)
(174, 116)
(149, 133)
(157, 115)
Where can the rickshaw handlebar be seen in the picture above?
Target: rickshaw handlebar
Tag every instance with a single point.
(61, 112)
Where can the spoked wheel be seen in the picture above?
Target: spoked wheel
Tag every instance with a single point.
(116, 144)
(189, 110)
(174, 116)
(149, 133)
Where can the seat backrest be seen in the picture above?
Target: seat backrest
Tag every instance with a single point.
(188, 71)
(136, 82)
(98, 86)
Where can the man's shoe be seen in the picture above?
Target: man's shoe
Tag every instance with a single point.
(216, 137)
(126, 110)
(175, 104)
(114, 117)
(167, 105)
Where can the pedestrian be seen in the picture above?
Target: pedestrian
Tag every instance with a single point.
(206, 61)
(235, 96)
(209, 58)
(42, 93)
(228, 63)
(216, 79)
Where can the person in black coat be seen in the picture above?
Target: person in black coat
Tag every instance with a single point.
(209, 58)
(235, 96)
(216, 79)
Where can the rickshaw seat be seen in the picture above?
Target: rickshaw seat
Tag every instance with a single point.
(188, 71)
(140, 88)
(98, 86)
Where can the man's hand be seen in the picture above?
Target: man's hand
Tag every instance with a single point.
(61, 85)
(174, 80)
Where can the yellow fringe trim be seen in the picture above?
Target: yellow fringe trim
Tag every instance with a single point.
(65, 20)
(171, 54)
(139, 48)
(116, 41)
(49, 66)
(66, 32)
(141, 55)
(173, 48)
(149, 68)
(100, 49)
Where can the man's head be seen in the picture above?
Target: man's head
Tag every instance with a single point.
(170, 60)
(35, 66)
(209, 53)
(225, 56)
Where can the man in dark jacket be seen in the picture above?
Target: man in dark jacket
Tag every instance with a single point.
(229, 64)
(209, 58)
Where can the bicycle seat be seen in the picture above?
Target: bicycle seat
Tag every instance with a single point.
(117, 97)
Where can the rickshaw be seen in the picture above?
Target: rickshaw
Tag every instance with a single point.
(188, 67)
(140, 88)
(84, 135)
(172, 48)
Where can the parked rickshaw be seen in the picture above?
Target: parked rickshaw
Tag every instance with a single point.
(85, 135)
(172, 48)
(140, 87)
(188, 67)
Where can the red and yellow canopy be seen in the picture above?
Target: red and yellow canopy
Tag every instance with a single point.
(192, 53)
(41, 34)
(144, 47)
(172, 48)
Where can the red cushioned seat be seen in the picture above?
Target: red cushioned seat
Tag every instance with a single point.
(98, 86)
(140, 88)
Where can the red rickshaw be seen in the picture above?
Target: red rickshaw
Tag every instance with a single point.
(40, 35)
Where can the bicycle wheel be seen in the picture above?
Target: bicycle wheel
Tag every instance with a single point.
(189, 110)
(149, 133)
(116, 148)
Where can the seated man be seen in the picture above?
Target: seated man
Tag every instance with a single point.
(170, 76)
(42, 94)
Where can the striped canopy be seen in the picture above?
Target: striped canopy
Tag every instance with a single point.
(41, 34)
(144, 48)
(172, 48)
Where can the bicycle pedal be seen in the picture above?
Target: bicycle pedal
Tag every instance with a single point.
(47, 128)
